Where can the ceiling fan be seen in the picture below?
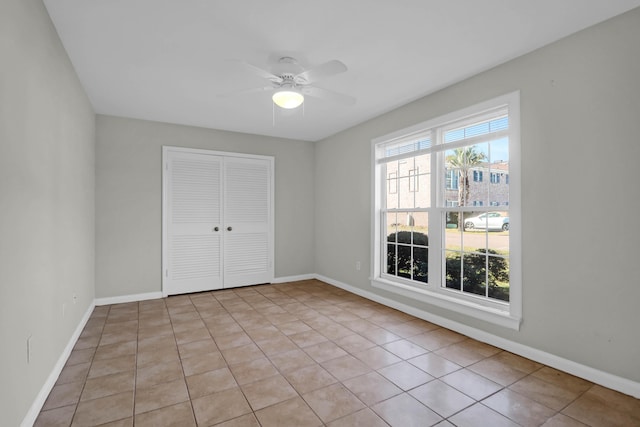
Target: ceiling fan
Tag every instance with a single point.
(290, 83)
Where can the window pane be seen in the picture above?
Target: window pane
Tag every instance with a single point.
(407, 244)
(498, 278)
(476, 221)
(413, 180)
(477, 129)
(474, 273)
(498, 241)
(451, 220)
(453, 270)
(498, 151)
(401, 223)
(406, 183)
(392, 224)
(453, 236)
(423, 181)
(421, 242)
(392, 185)
(407, 146)
(404, 223)
(391, 259)
(420, 264)
(475, 240)
(420, 227)
(460, 165)
(404, 261)
(499, 172)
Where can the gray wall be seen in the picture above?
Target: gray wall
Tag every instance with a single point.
(580, 106)
(129, 199)
(46, 202)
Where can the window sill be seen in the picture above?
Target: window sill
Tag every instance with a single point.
(491, 315)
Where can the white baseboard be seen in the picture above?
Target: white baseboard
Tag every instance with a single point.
(128, 298)
(294, 278)
(597, 376)
(38, 403)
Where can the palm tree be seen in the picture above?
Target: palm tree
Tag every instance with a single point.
(463, 159)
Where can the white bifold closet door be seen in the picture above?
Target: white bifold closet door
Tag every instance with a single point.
(247, 257)
(217, 220)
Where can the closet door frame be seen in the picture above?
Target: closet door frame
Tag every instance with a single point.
(166, 151)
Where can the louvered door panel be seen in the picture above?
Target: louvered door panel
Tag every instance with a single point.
(218, 220)
(247, 196)
(247, 253)
(196, 191)
(195, 257)
(247, 208)
(194, 247)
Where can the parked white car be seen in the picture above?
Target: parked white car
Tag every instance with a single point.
(489, 220)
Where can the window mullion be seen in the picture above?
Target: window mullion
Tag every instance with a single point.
(435, 234)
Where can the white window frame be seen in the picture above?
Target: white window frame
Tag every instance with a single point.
(505, 314)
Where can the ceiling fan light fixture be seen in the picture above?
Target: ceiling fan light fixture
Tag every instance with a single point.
(288, 99)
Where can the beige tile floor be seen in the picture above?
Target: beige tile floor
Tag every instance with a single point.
(306, 354)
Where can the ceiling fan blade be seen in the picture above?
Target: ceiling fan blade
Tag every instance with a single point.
(338, 98)
(245, 91)
(323, 70)
(262, 72)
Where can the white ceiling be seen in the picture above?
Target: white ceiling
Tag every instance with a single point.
(167, 60)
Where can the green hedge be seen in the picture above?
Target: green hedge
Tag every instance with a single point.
(475, 269)
(421, 255)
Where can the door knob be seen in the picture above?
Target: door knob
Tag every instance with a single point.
(216, 228)
(229, 228)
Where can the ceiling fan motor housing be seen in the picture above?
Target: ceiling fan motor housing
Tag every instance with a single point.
(287, 68)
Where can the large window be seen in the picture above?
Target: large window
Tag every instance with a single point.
(444, 235)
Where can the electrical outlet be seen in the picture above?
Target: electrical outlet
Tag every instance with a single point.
(74, 298)
(358, 265)
(29, 349)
